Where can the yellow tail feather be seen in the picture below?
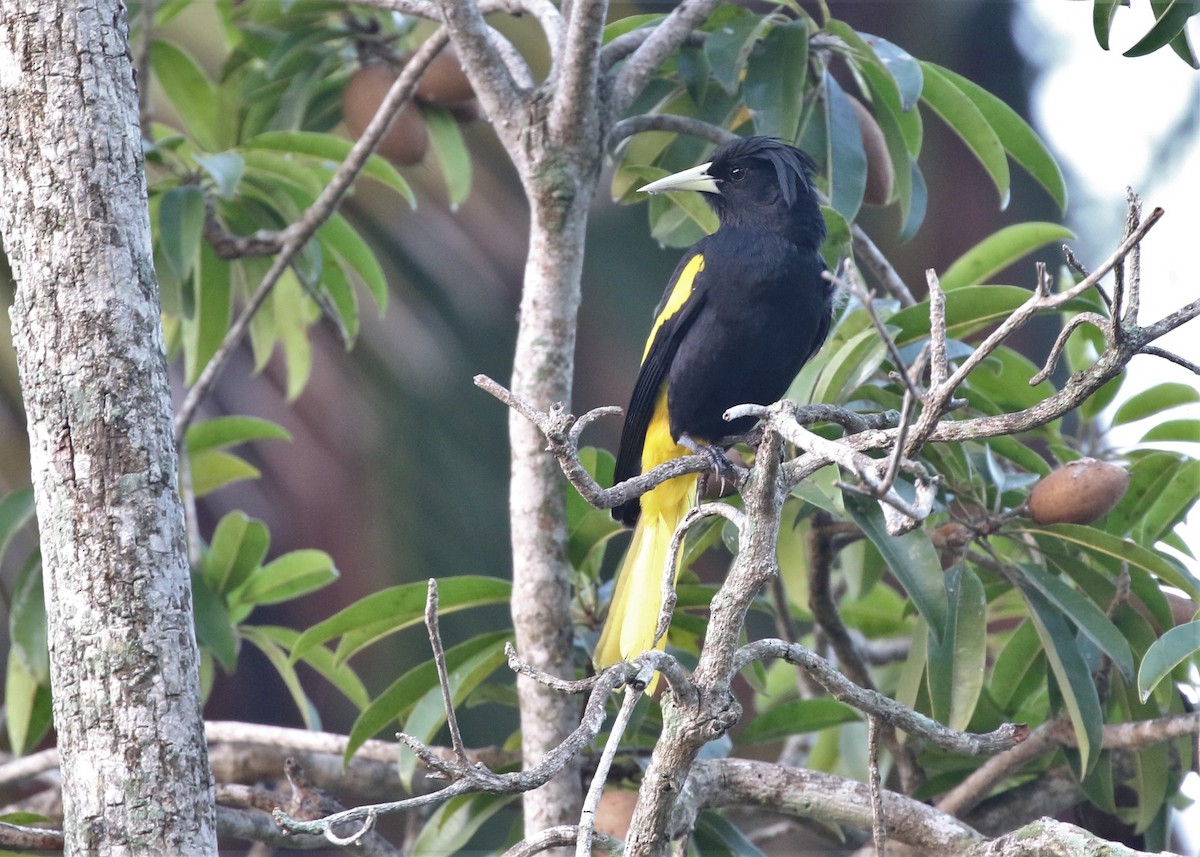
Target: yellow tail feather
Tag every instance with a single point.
(637, 600)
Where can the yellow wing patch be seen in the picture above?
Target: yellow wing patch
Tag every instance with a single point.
(678, 297)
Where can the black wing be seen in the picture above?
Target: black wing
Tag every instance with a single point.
(672, 318)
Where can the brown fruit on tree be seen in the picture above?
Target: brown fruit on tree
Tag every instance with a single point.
(880, 175)
(443, 82)
(406, 141)
(1078, 492)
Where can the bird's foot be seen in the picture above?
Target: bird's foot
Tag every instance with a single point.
(722, 467)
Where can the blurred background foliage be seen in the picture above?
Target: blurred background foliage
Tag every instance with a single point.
(388, 463)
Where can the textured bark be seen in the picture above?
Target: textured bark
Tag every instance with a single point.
(124, 661)
(542, 370)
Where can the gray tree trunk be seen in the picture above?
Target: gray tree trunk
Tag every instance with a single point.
(73, 215)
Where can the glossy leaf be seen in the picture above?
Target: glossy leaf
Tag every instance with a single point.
(774, 82)
(398, 607)
(794, 718)
(729, 43)
(225, 169)
(1092, 540)
(1071, 671)
(333, 150)
(957, 661)
(905, 69)
(1020, 140)
(1182, 46)
(450, 828)
(214, 630)
(321, 659)
(847, 167)
(357, 254)
(1169, 651)
(287, 672)
(914, 561)
(967, 310)
(1102, 17)
(446, 140)
(27, 709)
(188, 88)
(1171, 504)
(221, 432)
(965, 119)
(999, 250)
(213, 469)
(1083, 612)
(1018, 667)
(238, 547)
(289, 576)
(914, 215)
(1171, 17)
(205, 331)
(399, 697)
(180, 226)
(16, 510)
(1155, 400)
(1179, 431)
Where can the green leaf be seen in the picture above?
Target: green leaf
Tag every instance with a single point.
(221, 432)
(213, 469)
(398, 607)
(796, 717)
(914, 561)
(16, 510)
(226, 169)
(180, 227)
(999, 250)
(188, 88)
(238, 547)
(402, 694)
(1102, 17)
(214, 629)
(774, 84)
(446, 140)
(1154, 400)
(27, 710)
(321, 659)
(967, 310)
(357, 256)
(27, 620)
(1179, 431)
(847, 158)
(1172, 16)
(450, 828)
(294, 312)
(1020, 141)
(334, 150)
(1091, 540)
(428, 714)
(728, 45)
(1169, 505)
(279, 660)
(904, 68)
(289, 576)
(957, 661)
(1083, 612)
(1018, 668)
(965, 119)
(1074, 678)
(1169, 651)
(205, 331)
(914, 215)
(1182, 46)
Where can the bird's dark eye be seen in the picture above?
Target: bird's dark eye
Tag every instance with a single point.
(737, 174)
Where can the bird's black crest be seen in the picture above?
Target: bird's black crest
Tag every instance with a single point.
(793, 167)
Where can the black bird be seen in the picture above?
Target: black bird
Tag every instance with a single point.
(745, 309)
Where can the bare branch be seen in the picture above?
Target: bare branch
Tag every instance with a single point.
(645, 60)
(439, 659)
(1060, 341)
(666, 122)
(870, 257)
(556, 837)
(578, 70)
(873, 703)
(587, 820)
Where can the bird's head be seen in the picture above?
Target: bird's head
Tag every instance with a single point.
(757, 182)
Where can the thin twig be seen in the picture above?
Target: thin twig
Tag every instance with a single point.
(439, 658)
(587, 819)
(298, 234)
(878, 829)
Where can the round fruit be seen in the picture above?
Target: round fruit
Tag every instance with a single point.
(880, 175)
(1078, 493)
(443, 81)
(406, 141)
